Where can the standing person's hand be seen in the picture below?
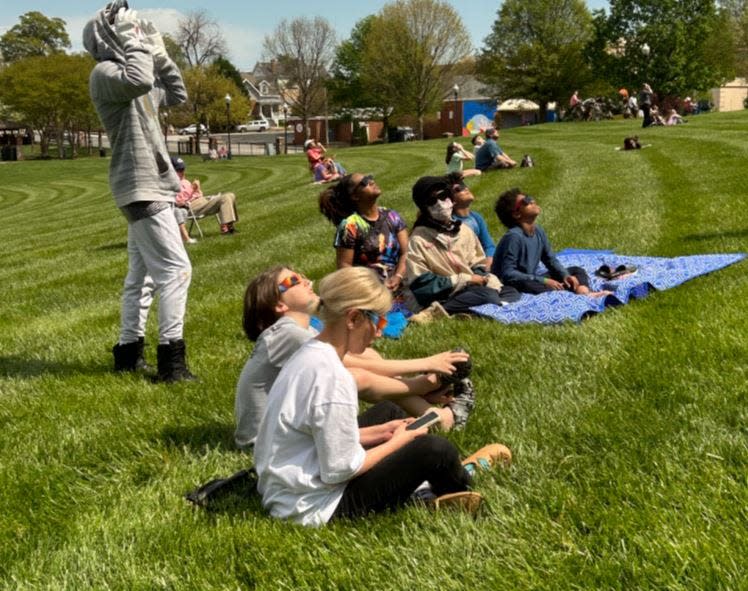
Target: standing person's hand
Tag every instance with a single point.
(127, 26)
(155, 42)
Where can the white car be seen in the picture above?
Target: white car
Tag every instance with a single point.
(192, 130)
(256, 125)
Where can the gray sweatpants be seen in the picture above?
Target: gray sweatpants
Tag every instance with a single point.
(158, 262)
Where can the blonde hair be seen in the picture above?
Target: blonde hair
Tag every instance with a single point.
(352, 288)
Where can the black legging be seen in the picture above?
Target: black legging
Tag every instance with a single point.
(536, 287)
(477, 295)
(390, 483)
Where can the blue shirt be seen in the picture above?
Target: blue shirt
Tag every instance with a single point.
(477, 224)
(517, 257)
(486, 154)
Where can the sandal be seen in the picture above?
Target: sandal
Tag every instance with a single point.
(467, 501)
(487, 456)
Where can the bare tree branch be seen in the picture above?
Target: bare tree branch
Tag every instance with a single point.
(200, 38)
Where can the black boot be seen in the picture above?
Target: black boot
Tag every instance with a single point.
(172, 366)
(129, 357)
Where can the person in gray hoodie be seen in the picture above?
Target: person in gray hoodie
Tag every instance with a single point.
(132, 78)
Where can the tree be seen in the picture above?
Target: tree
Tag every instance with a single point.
(35, 35)
(304, 48)
(59, 100)
(536, 50)
(228, 70)
(413, 51)
(206, 92)
(345, 85)
(200, 38)
(736, 14)
(175, 51)
(690, 47)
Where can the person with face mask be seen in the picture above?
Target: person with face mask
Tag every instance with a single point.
(445, 268)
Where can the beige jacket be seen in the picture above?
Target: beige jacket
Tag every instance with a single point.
(431, 251)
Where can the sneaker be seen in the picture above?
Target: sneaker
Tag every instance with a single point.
(433, 312)
(463, 403)
(191, 241)
(467, 501)
(488, 456)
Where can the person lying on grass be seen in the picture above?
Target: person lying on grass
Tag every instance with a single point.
(368, 235)
(277, 315)
(525, 245)
(316, 460)
(446, 272)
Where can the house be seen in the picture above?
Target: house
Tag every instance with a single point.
(268, 87)
(465, 112)
(730, 96)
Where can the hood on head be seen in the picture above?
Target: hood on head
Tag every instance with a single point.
(100, 39)
(425, 187)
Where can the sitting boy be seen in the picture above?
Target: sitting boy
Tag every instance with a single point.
(524, 245)
(462, 199)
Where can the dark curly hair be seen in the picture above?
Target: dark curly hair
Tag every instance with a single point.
(336, 202)
(504, 207)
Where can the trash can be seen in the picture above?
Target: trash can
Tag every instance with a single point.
(269, 149)
(102, 152)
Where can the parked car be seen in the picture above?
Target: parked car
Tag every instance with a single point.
(192, 129)
(256, 125)
(401, 134)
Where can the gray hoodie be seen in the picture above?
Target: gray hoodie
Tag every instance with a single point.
(127, 94)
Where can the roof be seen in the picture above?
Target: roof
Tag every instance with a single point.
(518, 105)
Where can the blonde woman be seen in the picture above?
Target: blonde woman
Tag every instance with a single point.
(315, 459)
(277, 315)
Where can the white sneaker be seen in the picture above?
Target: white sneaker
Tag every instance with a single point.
(191, 241)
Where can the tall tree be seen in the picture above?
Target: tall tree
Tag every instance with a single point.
(413, 52)
(228, 70)
(304, 47)
(35, 35)
(345, 85)
(60, 99)
(736, 14)
(536, 50)
(200, 38)
(688, 46)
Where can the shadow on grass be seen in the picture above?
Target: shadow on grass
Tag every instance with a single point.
(112, 246)
(199, 437)
(714, 235)
(12, 366)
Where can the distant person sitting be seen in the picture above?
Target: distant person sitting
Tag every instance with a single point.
(191, 197)
(477, 142)
(462, 199)
(674, 119)
(325, 171)
(525, 245)
(490, 156)
(315, 152)
(456, 155)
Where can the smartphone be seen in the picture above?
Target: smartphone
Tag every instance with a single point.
(426, 420)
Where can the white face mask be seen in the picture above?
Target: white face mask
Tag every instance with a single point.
(441, 211)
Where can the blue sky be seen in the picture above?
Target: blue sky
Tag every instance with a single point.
(243, 25)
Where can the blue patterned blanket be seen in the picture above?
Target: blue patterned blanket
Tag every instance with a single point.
(653, 273)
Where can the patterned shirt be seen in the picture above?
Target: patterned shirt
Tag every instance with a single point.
(374, 243)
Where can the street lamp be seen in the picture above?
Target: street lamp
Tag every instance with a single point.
(285, 128)
(227, 98)
(458, 124)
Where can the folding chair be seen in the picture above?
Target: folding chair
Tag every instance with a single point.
(193, 220)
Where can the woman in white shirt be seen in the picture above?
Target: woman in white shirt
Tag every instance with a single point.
(277, 312)
(314, 462)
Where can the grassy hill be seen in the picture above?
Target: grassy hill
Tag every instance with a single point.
(630, 430)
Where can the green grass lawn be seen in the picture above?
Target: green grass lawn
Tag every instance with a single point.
(629, 431)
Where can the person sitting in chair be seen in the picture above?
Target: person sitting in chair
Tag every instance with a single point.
(191, 196)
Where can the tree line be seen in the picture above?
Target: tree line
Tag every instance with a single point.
(401, 62)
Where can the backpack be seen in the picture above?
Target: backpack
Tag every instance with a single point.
(631, 143)
(527, 162)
